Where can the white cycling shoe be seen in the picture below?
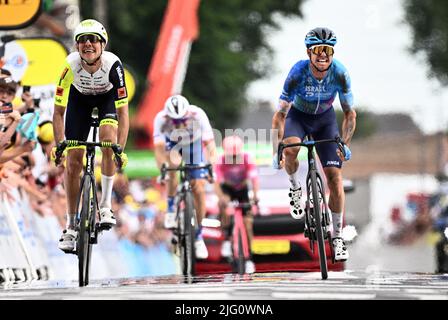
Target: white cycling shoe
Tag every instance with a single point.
(200, 249)
(67, 242)
(295, 208)
(107, 218)
(249, 266)
(340, 250)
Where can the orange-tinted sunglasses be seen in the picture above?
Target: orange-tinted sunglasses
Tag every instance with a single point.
(322, 48)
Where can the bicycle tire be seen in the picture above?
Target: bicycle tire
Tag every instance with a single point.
(241, 259)
(325, 218)
(92, 226)
(189, 235)
(319, 232)
(84, 245)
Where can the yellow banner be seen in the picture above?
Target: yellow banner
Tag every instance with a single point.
(35, 61)
(130, 84)
(17, 14)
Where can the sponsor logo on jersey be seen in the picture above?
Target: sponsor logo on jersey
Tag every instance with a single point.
(310, 91)
(121, 92)
(59, 91)
(120, 75)
(330, 162)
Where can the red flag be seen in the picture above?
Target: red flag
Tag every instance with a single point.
(169, 63)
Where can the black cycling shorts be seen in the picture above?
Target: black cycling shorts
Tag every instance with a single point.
(78, 118)
(242, 195)
(320, 126)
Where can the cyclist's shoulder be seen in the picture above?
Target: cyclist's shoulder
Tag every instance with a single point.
(338, 67)
(300, 66)
(110, 57)
(248, 158)
(160, 116)
(341, 74)
(197, 112)
(73, 59)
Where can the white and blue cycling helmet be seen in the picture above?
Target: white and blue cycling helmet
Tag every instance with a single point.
(319, 36)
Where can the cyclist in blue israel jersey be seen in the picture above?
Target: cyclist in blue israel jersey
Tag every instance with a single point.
(306, 107)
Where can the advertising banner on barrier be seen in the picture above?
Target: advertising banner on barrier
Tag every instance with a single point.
(17, 14)
(28, 228)
(12, 254)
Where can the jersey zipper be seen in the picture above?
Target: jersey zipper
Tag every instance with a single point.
(318, 98)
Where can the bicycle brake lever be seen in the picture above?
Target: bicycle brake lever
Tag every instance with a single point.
(163, 171)
(340, 144)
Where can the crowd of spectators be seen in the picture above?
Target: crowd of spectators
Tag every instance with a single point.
(26, 141)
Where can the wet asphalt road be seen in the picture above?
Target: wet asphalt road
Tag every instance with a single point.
(346, 285)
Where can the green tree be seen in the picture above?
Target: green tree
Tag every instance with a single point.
(429, 25)
(230, 52)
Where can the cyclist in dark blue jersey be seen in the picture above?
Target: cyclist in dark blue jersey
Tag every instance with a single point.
(306, 107)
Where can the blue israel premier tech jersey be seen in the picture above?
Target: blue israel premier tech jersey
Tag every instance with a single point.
(313, 96)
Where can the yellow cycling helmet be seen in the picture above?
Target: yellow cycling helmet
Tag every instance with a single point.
(45, 132)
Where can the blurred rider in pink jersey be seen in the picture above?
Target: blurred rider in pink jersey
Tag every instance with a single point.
(235, 172)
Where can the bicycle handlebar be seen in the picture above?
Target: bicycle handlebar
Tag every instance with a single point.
(244, 205)
(309, 144)
(164, 169)
(116, 148)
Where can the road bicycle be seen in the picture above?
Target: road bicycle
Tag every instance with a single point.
(184, 233)
(317, 216)
(239, 238)
(87, 202)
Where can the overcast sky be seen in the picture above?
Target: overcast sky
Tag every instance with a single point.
(373, 43)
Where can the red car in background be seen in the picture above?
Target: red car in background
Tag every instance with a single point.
(279, 243)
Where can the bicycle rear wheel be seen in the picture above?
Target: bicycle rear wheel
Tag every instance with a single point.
(188, 256)
(85, 228)
(317, 214)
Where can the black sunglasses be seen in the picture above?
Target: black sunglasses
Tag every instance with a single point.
(93, 38)
(179, 121)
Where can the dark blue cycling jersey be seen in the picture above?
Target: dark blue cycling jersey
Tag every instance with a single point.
(313, 96)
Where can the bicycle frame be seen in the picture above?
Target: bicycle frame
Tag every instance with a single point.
(186, 217)
(87, 201)
(240, 240)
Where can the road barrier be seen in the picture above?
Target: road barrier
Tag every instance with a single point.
(28, 249)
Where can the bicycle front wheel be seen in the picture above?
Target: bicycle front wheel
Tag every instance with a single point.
(317, 215)
(85, 228)
(241, 259)
(188, 256)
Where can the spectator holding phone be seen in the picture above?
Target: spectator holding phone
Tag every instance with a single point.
(9, 120)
